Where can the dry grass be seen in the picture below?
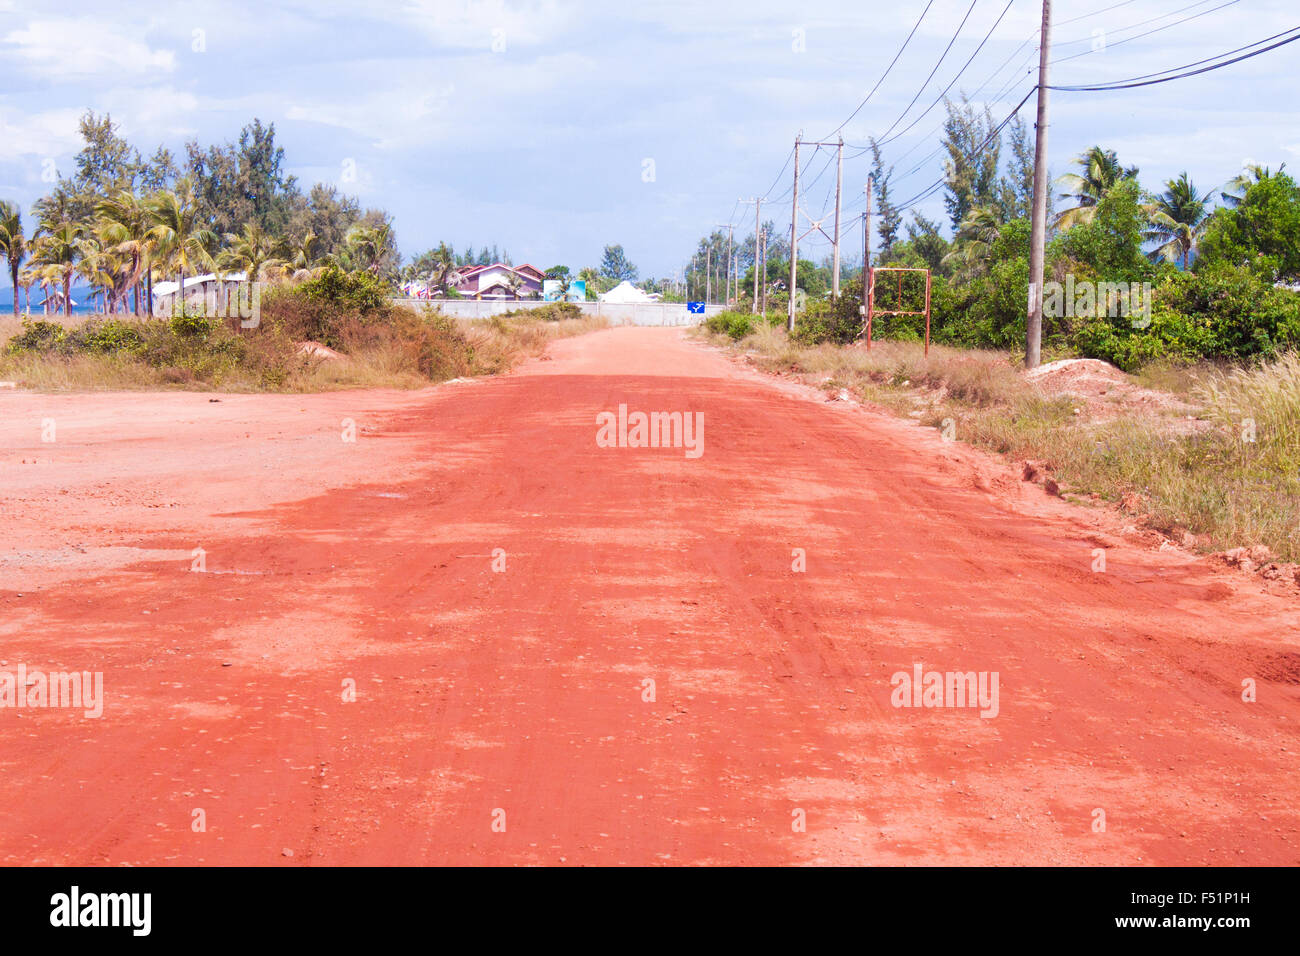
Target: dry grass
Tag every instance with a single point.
(414, 352)
(1229, 491)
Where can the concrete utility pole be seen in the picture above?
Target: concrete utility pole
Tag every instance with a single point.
(839, 181)
(866, 251)
(708, 266)
(762, 266)
(794, 236)
(758, 206)
(1038, 223)
(726, 287)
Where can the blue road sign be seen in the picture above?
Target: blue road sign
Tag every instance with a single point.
(695, 307)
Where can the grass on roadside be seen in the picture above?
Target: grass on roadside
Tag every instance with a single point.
(400, 348)
(1215, 481)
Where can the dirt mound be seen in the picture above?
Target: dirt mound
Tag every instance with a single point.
(1103, 389)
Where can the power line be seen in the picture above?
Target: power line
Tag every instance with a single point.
(1195, 16)
(1141, 81)
(784, 166)
(1087, 15)
(889, 139)
(946, 50)
(915, 27)
(996, 132)
(1061, 44)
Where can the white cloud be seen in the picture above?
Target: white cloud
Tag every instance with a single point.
(42, 135)
(77, 48)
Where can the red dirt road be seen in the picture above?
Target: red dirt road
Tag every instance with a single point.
(521, 691)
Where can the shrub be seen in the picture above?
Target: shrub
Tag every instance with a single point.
(550, 312)
(38, 335)
(105, 336)
(736, 325)
(355, 291)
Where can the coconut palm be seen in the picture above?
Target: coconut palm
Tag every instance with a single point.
(371, 245)
(1178, 217)
(252, 251)
(1235, 191)
(304, 254)
(1101, 171)
(126, 226)
(101, 268)
(184, 242)
(27, 278)
(13, 245)
(973, 243)
(60, 248)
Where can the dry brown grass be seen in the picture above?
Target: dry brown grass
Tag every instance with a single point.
(1229, 491)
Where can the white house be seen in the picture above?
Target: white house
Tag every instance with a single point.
(205, 293)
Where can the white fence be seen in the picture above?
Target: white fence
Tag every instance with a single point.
(646, 313)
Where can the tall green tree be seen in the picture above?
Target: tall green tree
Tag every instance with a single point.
(126, 225)
(1262, 232)
(13, 244)
(1102, 171)
(1178, 217)
(889, 220)
(185, 242)
(614, 265)
(971, 170)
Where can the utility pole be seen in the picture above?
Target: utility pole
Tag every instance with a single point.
(726, 287)
(708, 274)
(839, 180)
(1038, 224)
(866, 253)
(758, 206)
(762, 266)
(794, 236)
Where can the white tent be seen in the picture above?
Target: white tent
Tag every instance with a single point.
(625, 292)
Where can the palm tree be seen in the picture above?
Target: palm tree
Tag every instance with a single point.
(973, 243)
(1235, 190)
(304, 254)
(183, 240)
(1101, 171)
(252, 251)
(444, 266)
(1178, 217)
(101, 268)
(371, 245)
(125, 228)
(59, 248)
(27, 278)
(13, 245)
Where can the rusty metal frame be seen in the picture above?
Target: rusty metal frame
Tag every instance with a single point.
(871, 300)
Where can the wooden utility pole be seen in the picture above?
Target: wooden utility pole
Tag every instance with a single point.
(1038, 223)
(835, 255)
(794, 237)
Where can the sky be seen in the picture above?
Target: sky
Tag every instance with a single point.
(554, 128)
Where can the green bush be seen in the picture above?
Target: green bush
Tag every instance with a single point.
(736, 325)
(38, 335)
(192, 325)
(550, 312)
(104, 336)
(353, 291)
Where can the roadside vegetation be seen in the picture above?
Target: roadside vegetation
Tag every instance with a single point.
(1229, 475)
(333, 331)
